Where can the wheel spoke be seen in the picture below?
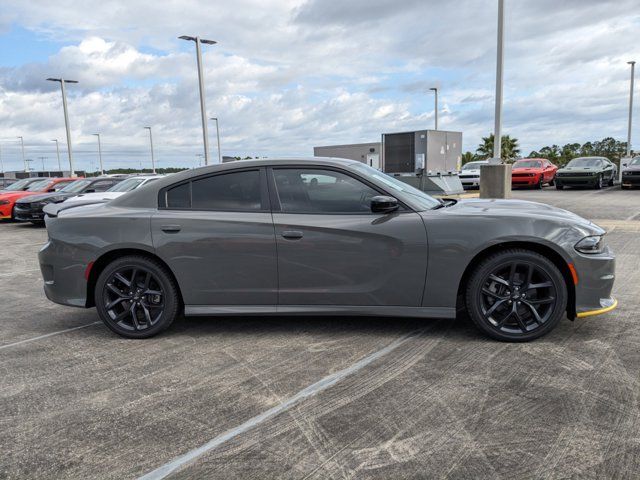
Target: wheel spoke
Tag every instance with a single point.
(494, 306)
(134, 318)
(499, 280)
(512, 273)
(541, 301)
(147, 279)
(122, 279)
(535, 286)
(529, 275)
(133, 277)
(486, 291)
(504, 319)
(147, 315)
(116, 290)
(536, 316)
(114, 303)
(521, 324)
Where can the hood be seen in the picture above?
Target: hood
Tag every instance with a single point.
(523, 208)
(15, 195)
(632, 168)
(92, 197)
(580, 169)
(527, 169)
(47, 196)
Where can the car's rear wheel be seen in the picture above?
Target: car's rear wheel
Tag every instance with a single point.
(559, 187)
(551, 182)
(610, 182)
(136, 297)
(516, 295)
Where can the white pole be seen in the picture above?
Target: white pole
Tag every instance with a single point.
(497, 135)
(205, 130)
(24, 160)
(153, 161)
(633, 67)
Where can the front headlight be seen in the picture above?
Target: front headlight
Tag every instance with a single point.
(592, 244)
(52, 200)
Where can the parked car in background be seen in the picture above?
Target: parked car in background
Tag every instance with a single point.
(594, 172)
(126, 185)
(22, 184)
(42, 185)
(30, 209)
(322, 236)
(5, 182)
(631, 174)
(470, 174)
(533, 172)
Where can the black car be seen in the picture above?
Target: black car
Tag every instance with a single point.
(29, 209)
(631, 174)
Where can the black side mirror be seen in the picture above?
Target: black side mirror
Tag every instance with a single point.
(90, 190)
(51, 190)
(384, 204)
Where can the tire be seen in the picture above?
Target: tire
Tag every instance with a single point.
(539, 185)
(502, 309)
(136, 297)
(552, 182)
(598, 185)
(559, 187)
(610, 182)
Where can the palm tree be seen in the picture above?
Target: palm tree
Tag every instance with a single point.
(508, 149)
(468, 157)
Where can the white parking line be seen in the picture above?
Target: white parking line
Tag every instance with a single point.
(311, 390)
(46, 336)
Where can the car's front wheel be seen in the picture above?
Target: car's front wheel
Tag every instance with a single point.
(599, 183)
(136, 297)
(516, 295)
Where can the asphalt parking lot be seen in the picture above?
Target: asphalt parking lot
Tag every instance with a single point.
(312, 397)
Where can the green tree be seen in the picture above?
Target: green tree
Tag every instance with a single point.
(509, 149)
(468, 157)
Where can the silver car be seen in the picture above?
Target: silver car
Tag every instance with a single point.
(322, 236)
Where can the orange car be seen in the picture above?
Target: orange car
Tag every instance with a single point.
(8, 197)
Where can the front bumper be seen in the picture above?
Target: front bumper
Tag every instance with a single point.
(596, 276)
(524, 181)
(470, 182)
(29, 212)
(577, 181)
(5, 211)
(631, 180)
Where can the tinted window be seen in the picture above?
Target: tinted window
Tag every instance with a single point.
(60, 185)
(229, 191)
(180, 196)
(102, 185)
(321, 191)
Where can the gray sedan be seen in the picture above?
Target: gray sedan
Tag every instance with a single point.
(322, 236)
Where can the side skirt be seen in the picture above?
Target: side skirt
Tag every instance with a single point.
(373, 311)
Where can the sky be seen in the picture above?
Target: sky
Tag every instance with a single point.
(288, 75)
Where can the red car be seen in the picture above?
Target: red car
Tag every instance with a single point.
(8, 198)
(533, 172)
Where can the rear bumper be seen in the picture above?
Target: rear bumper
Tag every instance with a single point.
(63, 275)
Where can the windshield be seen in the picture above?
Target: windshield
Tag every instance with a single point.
(472, 165)
(425, 201)
(19, 185)
(584, 162)
(77, 186)
(37, 186)
(635, 162)
(528, 164)
(126, 185)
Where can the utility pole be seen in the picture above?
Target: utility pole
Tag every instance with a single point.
(218, 136)
(24, 160)
(435, 90)
(1, 163)
(42, 159)
(66, 119)
(58, 154)
(497, 135)
(99, 152)
(633, 68)
(153, 161)
(205, 133)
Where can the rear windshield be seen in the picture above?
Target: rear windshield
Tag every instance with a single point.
(76, 186)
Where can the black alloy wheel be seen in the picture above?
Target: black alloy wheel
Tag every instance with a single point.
(599, 182)
(516, 295)
(136, 297)
(540, 183)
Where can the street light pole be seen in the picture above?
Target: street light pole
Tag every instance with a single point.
(205, 134)
(66, 119)
(153, 161)
(497, 135)
(58, 154)
(24, 160)
(633, 68)
(99, 152)
(218, 136)
(1, 163)
(42, 159)
(435, 90)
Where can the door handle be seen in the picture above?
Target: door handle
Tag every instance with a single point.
(171, 228)
(292, 234)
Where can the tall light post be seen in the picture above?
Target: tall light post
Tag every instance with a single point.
(58, 153)
(497, 131)
(205, 134)
(99, 152)
(218, 136)
(153, 161)
(42, 159)
(24, 160)
(66, 119)
(1, 163)
(435, 108)
(633, 68)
